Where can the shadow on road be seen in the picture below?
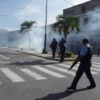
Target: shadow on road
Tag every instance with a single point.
(12, 53)
(61, 95)
(35, 62)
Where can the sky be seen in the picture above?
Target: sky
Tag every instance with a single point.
(14, 12)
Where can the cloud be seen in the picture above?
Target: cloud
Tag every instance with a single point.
(30, 9)
(76, 2)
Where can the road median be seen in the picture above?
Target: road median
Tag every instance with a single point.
(47, 56)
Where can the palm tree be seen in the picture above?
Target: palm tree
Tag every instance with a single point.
(66, 24)
(27, 25)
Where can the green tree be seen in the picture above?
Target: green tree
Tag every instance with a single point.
(27, 25)
(66, 24)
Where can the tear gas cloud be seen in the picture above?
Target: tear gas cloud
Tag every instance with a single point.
(36, 35)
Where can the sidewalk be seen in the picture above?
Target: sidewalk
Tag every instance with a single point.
(47, 56)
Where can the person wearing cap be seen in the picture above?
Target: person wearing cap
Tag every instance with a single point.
(85, 56)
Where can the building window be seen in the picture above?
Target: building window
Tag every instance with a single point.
(83, 10)
(86, 20)
(71, 12)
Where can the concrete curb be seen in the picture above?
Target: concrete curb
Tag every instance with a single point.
(56, 59)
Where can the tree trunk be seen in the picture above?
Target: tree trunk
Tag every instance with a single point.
(65, 35)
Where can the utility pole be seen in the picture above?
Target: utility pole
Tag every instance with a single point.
(45, 37)
(2, 15)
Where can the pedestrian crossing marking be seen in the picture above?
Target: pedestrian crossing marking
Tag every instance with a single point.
(52, 73)
(61, 69)
(4, 57)
(11, 75)
(98, 66)
(77, 65)
(96, 69)
(2, 62)
(33, 74)
(96, 63)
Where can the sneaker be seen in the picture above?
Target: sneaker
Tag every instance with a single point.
(91, 86)
(71, 88)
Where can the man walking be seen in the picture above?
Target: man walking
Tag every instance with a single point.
(85, 55)
(62, 50)
(53, 46)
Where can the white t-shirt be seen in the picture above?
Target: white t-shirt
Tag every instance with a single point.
(65, 45)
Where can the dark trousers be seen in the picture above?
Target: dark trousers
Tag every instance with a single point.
(83, 68)
(62, 52)
(53, 53)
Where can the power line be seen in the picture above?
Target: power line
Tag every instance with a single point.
(17, 12)
(3, 0)
(69, 2)
(2, 15)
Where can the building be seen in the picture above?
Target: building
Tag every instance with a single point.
(88, 13)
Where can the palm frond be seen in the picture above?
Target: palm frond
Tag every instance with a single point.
(55, 25)
(66, 24)
(60, 29)
(60, 17)
(26, 24)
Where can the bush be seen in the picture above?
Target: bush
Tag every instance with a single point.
(69, 54)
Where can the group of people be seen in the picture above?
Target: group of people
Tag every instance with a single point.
(84, 57)
(62, 47)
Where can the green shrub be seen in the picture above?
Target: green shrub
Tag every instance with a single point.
(69, 54)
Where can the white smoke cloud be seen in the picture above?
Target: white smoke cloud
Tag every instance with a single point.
(76, 2)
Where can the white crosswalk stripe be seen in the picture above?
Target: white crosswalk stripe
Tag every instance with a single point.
(4, 57)
(55, 70)
(96, 63)
(33, 74)
(52, 73)
(93, 65)
(75, 68)
(61, 69)
(2, 62)
(11, 75)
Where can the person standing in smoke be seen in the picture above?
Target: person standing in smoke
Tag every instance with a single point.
(62, 50)
(85, 56)
(53, 46)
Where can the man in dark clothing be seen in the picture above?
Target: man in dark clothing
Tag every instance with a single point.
(53, 46)
(85, 56)
(62, 50)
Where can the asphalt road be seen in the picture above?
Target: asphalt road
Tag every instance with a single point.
(25, 77)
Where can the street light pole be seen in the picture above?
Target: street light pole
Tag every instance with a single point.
(45, 37)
